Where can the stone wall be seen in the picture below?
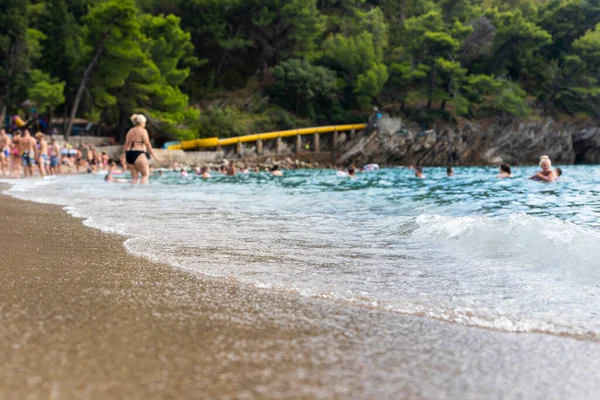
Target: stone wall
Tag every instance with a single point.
(188, 158)
(168, 157)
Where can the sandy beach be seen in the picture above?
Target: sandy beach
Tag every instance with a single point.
(81, 318)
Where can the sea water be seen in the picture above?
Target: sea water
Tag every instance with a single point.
(505, 254)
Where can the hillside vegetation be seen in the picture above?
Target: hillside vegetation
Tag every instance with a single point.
(229, 67)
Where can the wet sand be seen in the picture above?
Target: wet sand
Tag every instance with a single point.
(80, 318)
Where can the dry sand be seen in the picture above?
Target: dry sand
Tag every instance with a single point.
(80, 318)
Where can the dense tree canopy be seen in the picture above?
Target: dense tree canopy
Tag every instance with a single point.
(203, 67)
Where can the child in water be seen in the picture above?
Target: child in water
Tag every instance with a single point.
(558, 172)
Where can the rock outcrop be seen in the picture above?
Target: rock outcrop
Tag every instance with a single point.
(478, 143)
(586, 145)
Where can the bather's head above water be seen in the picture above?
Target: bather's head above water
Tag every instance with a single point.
(545, 163)
(419, 172)
(505, 171)
(547, 174)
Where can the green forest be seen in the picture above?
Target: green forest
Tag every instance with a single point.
(200, 68)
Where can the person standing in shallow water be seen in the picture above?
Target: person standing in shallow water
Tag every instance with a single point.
(4, 152)
(27, 145)
(54, 153)
(15, 155)
(41, 157)
(137, 144)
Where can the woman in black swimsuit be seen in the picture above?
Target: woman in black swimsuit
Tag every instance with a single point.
(137, 146)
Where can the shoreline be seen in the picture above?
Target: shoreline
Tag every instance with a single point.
(366, 304)
(82, 318)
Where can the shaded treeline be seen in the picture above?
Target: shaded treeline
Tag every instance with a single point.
(261, 64)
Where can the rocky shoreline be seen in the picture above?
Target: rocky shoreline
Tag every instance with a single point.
(480, 143)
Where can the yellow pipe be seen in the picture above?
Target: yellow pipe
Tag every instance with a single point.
(249, 138)
(268, 136)
(214, 142)
(208, 142)
(289, 133)
(228, 141)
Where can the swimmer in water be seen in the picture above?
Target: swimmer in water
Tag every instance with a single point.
(558, 172)
(547, 174)
(114, 169)
(449, 171)
(505, 171)
(352, 171)
(184, 173)
(112, 179)
(275, 171)
(419, 172)
(204, 173)
(231, 170)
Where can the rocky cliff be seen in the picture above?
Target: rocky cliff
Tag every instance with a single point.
(478, 143)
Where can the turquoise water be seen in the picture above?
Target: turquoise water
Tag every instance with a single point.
(511, 254)
(472, 191)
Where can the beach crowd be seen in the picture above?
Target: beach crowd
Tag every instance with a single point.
(26, 155)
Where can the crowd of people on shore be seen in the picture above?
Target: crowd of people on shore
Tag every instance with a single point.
(24, 155)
